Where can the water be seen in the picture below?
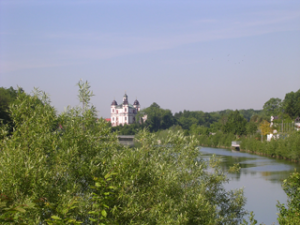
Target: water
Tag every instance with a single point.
(261, 177)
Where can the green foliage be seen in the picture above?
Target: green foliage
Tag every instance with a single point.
(273, 107)
(290, 215)
(218, 140)
(291, 104)
(70, 169)
(236, 124)
(103, 194)
(216, 126)
(157, 118)
(252, 221)
(251, 127)
(186, 123)
(199, 130)
(285, 147)
(258, 118)
(187, 118)
(126, 129)
(214, 121)
(249, 113)
(235, 168)
(174, 186)
(13, 214)
(84, 94)
(51, 160)
(7, 97)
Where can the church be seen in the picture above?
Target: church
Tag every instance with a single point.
(124, 113)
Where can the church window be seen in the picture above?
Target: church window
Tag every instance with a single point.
(125, 109)
(125, 118)
(113, 110)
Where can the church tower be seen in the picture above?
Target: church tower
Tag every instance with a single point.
(124, 113)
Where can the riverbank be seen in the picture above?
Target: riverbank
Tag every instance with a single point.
(287, 148)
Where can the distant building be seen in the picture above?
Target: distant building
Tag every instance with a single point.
(124, 113)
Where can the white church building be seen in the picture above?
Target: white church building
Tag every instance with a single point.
(124, 113)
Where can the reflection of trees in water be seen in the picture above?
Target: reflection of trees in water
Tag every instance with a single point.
(276, 176)
(245, 163)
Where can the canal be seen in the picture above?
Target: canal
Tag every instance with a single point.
(261, 177)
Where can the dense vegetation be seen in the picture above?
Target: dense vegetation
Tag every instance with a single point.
(7, 97)
(190, 121)
(291, 214)
(219, 129)
(239, 122)
(70, 169)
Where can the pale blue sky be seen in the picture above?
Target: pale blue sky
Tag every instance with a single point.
(184, 55)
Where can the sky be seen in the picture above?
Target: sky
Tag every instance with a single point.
(183, 55)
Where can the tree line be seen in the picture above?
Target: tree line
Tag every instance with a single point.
(238, 122)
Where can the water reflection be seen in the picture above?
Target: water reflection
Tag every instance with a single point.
(261, 178)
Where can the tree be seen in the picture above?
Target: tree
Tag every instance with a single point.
(57, 159)
(236, 124)
(251, 127)
(7, 97)
(265, 128)
(157, 118)
(291, 213)
(216, 126)
(186, 123)
(291, 104)
(273, 107)
(84, 94)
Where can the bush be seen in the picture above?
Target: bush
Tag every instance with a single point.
(291, 214)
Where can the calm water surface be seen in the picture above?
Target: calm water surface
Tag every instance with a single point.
(261, 177)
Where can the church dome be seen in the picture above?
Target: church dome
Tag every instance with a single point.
(136, 102)
(114, 102)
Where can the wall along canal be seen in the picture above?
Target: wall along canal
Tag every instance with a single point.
(261, 178)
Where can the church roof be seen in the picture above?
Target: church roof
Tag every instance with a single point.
(114, 102)
(121, 106)
(136, 102)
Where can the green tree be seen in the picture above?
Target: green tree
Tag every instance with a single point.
(236, 124)
(187, 122)
(290, 214)
(157, 118)
(49, 162)
(291, 104)
(273, 107)
(7, 97)
(251, 127)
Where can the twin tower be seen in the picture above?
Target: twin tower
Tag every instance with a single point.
(124, 113)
